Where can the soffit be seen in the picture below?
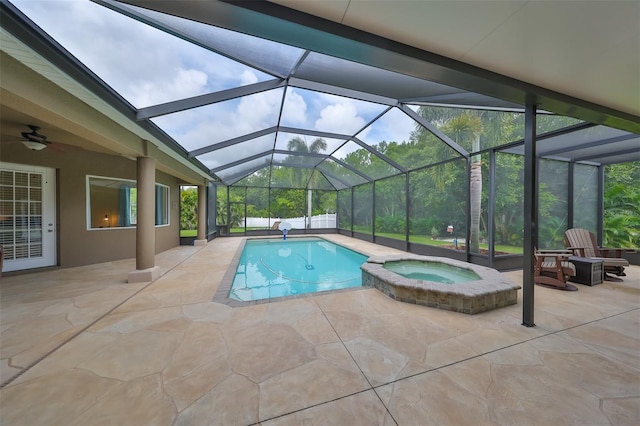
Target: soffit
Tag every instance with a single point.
(586, 49)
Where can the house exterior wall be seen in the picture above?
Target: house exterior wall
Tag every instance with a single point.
(76, 244)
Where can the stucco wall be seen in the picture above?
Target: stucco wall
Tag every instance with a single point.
(77, 245)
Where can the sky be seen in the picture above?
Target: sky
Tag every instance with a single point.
(148, 67)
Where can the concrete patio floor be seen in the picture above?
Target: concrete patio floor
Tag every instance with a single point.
(80, 346)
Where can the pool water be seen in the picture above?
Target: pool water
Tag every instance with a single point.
(432, 271)
(278, 268)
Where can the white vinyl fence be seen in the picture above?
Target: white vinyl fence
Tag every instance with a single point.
(318, 221)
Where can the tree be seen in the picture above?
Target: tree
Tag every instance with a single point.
(472, 130)
(296, 144)
(464, 127)
(237, 203)
(622, 205)
(390, 209)
(298, 177)
(286, 202)
(188, 207)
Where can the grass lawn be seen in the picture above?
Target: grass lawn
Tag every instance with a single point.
(249, 228)
(423, 239)
(188, 232)
(419, 239)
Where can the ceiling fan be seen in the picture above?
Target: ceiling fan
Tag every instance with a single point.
(34, 140)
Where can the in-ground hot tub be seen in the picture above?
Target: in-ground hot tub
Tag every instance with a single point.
(463, 287)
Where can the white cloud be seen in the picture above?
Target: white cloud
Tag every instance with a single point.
(367, 110)
(186, 83)
(145, 65)
(394, 126)
(248, 77)
(294, 112)
(215, 123)
(256, 112)
(340, 118)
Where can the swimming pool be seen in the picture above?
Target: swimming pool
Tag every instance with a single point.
(270, 268)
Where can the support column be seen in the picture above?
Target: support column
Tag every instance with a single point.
(407, 217)
(146, 221)
(600, 215)
(530, 214)
(492, 207)
(201, 239)
(570, 194)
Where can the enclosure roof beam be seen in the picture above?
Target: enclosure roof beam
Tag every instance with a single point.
(547, 135)
(302, 154)
(298, 63)
(379, 155)
(317, 133)
(241, 161)
(351, 168)
(601, 157)
(327, 174)
(233, 141)
(437, 133)
(238, 176)
(292, 165)
(341, 91)
(600, 142)
(208, 99)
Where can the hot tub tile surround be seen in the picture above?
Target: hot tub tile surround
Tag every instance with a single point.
(492, 291)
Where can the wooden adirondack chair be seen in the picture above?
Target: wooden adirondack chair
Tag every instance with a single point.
(583, 244)
(552, 269)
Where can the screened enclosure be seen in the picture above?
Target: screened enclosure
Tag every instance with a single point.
(381, 153)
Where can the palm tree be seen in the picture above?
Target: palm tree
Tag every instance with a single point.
(468, 126)
(297, 144)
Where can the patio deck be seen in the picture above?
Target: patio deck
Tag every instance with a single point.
(81, 346)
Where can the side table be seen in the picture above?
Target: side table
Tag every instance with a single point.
(588, 271)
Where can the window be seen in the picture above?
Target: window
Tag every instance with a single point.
(113, 203)
(162, 204)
